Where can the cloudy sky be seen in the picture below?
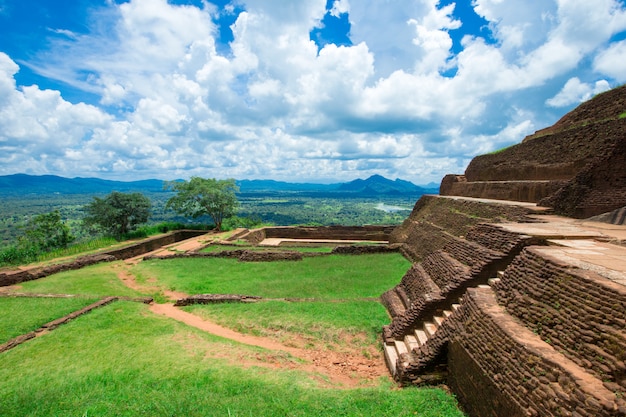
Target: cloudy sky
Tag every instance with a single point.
(293, 90)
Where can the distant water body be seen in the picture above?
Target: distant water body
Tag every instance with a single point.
(390, 209)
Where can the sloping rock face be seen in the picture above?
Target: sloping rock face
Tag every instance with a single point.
(576, 166)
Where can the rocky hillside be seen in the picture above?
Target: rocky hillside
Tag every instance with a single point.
(576, 166)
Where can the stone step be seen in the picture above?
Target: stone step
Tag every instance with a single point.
(401, 347)
(493, 281)
(447, 313)
(455, 307)
(396, 306)
(429, 329)
(438, 320)
(411, 342)
(421, 336)
(391, 357)
(500, 274)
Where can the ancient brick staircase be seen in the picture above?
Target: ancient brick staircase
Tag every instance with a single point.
(432, 290)
(417, 341)
(513, 322)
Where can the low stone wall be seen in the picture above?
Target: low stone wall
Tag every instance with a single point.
(151, 244)
(274, 256)
(580, 313)
(147, 245)
(255, 236)
(16, 277)
(216, 299)
(365, 249)
(364, 233)
(499, 368)
(56, 323)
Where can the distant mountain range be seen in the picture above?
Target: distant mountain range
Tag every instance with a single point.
(376, 185)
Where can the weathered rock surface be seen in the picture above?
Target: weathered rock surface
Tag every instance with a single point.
(577, 167)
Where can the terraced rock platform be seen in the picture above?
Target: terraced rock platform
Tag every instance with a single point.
(523, 317)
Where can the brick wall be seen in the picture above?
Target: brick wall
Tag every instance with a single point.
(366, 233)
(434, 221)
(498, 367)
(145, 246)
(578, 312)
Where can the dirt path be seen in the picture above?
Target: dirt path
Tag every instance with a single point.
(129, 280)
(348, 368)
(342, 369)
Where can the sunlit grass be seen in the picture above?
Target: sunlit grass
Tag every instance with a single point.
(96, 280)
(325, 322)
(324, 278)
(121, 360)
(22, 315)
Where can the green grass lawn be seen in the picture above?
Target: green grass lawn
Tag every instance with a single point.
(121, 360)
(326, 322)
(324, 278)
(96, 280)
(23, 315)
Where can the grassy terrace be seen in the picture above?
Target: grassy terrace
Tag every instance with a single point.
(123, 360)
(23, 315)
(324, 278)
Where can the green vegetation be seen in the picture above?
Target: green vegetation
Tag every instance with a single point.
(117, 214)
(500, 150)
(41, 234)
(15, 255)
(299, 209)
(121, 360)
(204, 196)
(283, 210)
(325, 278)
(326, 322)
(47, 232)
(97, 280)
(23, 315)
(622, 116)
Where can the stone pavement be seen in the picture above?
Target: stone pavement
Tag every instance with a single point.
(584, 244)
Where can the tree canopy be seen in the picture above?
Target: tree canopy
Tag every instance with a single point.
(118, 213)
(47, 232)
(200, 196)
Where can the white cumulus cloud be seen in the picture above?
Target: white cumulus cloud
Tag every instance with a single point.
(172, 101)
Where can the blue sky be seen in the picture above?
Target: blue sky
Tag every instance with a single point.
(307, 90)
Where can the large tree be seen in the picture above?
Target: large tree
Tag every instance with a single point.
(118, 213)
(200, 196)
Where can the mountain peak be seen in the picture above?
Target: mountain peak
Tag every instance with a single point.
(377, 184)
